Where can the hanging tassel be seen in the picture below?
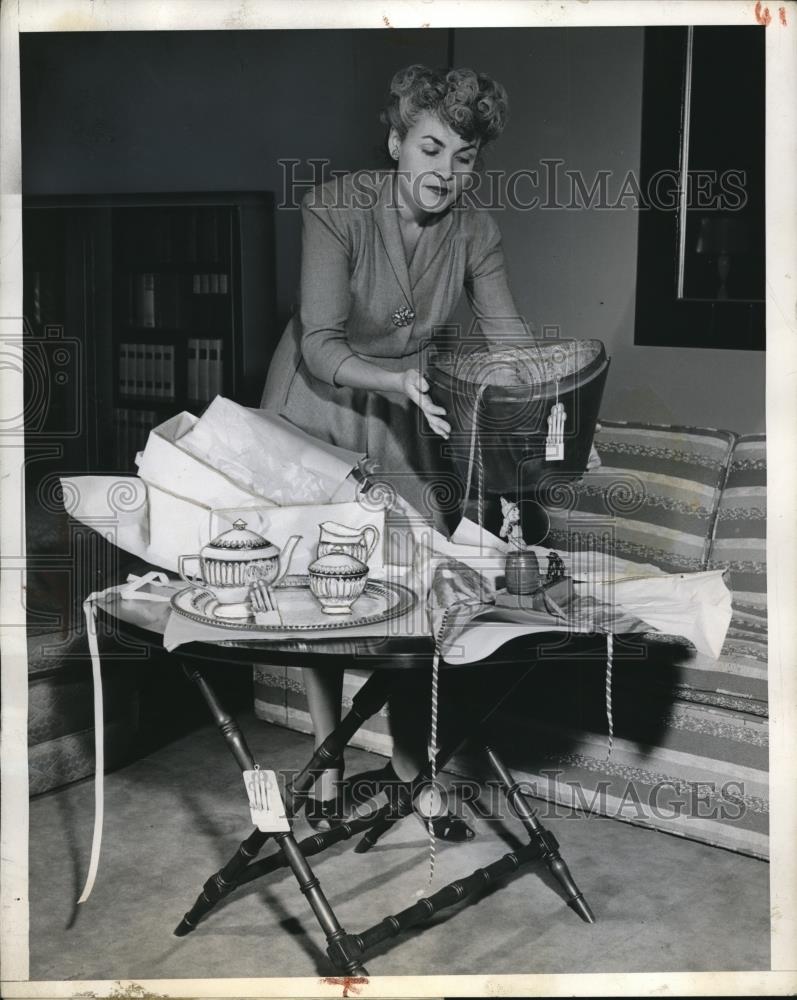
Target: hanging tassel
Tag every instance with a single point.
(434, 801)
(609, 716)
(433, 767)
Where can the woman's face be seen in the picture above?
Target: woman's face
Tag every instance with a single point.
(434, 164)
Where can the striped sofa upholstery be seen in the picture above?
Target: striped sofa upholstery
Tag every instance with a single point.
(654, 499)
(690, 753)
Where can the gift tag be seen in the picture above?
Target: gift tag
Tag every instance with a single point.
(555, 442)
(265, 801)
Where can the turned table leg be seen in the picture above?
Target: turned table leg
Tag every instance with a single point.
(341, 948)
(222, 882)
(227, 725)
(547, 842)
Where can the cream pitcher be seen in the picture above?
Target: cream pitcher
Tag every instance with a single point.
(357, 542)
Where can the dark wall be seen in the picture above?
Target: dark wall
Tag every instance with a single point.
(123, 111)
(161, 111)
(576, 95)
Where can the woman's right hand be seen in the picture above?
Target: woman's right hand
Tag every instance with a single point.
(415, 386)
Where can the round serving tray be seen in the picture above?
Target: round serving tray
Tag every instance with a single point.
(379, 602)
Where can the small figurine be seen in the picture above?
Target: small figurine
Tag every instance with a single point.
(510, 529)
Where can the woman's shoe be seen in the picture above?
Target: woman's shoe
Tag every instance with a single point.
(325, 815)
(447, 827)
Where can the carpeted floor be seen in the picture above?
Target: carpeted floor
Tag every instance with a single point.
(173, 818)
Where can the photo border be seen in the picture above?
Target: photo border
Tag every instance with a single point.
(781, 412)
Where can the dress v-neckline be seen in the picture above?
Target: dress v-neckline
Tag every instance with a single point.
(408, 271)
(410, 257)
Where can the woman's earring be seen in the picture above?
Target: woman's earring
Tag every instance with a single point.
(394, 152)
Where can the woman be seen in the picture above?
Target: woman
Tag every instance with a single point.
(385, 257)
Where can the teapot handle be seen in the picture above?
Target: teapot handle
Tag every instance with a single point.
(180, 563)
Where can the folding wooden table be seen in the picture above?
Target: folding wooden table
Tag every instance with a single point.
(388, 659)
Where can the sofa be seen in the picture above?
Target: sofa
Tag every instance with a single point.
(690, 742)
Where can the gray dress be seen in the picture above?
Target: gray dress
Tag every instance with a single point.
(354, 282)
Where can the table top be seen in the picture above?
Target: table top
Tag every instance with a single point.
(146, 621)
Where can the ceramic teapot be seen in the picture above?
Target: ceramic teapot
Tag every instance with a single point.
(235, 559)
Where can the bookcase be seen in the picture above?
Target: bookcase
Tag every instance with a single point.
(135, 307)
(161, 303)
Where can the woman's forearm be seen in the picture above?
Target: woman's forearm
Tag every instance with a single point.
(359, 374)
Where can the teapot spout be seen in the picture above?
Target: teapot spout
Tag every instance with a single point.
(285, 556)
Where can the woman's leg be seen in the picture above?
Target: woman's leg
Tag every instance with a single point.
(409, 714)
(324, 689)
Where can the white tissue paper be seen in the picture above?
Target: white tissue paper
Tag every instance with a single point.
(234, 452)
(267, 456)
(196, 476)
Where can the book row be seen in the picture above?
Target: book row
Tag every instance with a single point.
(205, 369)
(148, 370)
(210, 284)
(164, 300)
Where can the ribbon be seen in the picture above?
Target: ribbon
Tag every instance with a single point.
(609, 715)
(90, 612)
(129, 591)
(474, 430)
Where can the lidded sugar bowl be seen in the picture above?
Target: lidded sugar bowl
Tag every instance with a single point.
(337, 579)
(235, 559)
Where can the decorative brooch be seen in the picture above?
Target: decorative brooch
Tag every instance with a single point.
(403, 316)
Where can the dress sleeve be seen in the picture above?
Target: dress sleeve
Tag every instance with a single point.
(325, 296)
(487, 287)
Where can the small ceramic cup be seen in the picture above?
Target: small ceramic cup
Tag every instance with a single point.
(336, 581)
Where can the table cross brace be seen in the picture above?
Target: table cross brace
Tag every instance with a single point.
(344, 949)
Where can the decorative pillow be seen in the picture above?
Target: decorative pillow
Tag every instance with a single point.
(653, 501)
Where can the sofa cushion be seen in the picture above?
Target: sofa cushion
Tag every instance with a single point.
(652, 502)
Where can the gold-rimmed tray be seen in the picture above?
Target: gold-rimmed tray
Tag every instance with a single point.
(299, 610)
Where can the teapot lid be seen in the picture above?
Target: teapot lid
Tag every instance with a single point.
(240, 539)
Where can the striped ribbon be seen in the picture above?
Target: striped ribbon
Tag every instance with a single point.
(472, 457)
(433, 763)
(609, 715)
